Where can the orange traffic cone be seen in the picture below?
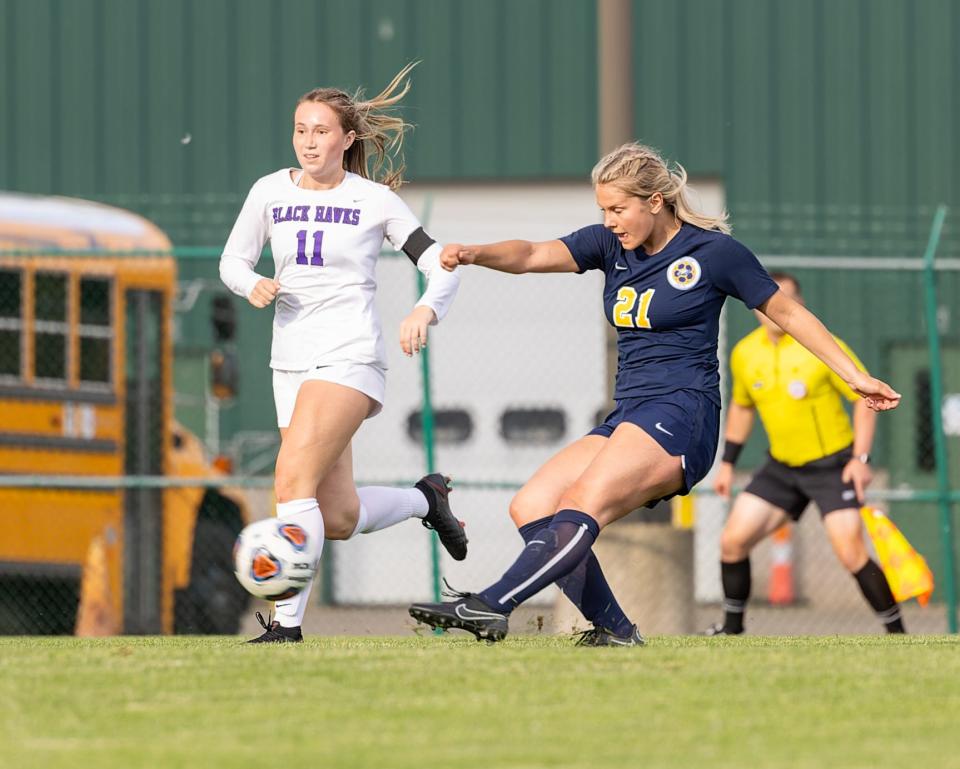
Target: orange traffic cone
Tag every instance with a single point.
(95, 615)
(781, 572)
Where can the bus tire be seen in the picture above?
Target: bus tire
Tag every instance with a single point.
(214, 602)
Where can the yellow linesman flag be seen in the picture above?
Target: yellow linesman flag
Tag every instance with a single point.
(905, 569)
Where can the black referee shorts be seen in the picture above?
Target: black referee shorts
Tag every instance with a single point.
(792, 488)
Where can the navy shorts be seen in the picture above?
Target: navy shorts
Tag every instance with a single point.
(686, 423)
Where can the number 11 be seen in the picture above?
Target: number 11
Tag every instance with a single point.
(316, 260)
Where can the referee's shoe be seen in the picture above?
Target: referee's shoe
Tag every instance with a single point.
(435, 487)
(468, 613)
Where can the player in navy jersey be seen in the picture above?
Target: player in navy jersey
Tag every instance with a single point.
(668, 271)
(326, 222)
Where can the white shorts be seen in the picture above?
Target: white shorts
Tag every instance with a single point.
(369, 379)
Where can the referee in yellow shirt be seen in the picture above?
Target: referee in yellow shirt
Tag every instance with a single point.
(814, 455)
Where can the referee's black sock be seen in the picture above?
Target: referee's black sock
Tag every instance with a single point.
(876, 590)
(736, 591)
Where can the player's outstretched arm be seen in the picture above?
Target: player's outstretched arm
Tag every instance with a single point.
(807, 329)
(514, 256)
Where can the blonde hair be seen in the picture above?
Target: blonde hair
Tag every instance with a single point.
(639, 170)
(379, 129)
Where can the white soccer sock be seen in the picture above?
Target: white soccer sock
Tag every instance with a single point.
(385, 506)
(306, 513)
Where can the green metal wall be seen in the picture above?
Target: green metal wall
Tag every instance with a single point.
(832, 123)
(829, 121)
(100, 96)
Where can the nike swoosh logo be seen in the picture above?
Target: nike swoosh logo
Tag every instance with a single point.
(464, 613)
(358, 200)
(663, 429)
(618, 266)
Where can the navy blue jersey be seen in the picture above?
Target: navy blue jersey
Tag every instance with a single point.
(666, 307)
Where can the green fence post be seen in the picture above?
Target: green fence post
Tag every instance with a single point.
(936, 418)
(426, 421)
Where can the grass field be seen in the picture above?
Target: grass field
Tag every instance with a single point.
(451, 702)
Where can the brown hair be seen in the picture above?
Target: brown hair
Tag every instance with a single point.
(378, 128)
(641, 171)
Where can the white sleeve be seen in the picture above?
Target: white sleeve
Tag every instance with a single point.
(442, 285)
(242, 250)
(398, 224)
(398, 220)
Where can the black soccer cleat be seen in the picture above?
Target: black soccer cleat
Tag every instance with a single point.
(600, 636)
(440, 518)
(468, 613)
(274, 632)
(718, 629)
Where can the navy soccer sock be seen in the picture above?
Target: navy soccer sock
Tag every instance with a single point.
(587, 587)
(552, 553)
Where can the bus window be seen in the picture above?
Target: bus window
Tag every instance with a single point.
(11, 323)
(51, 327)
(95, 331)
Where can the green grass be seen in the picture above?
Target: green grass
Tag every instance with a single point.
(451, 702)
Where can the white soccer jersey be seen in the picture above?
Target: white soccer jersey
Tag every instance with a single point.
(325, 245)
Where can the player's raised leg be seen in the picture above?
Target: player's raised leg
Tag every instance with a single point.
(751, 520)
(845, 530)
(630, 470)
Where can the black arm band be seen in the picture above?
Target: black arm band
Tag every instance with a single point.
(731, 451)
(416, 244)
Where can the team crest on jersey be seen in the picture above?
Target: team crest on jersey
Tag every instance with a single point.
(684, 273)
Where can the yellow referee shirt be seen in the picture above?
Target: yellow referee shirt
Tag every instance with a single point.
(798, 397)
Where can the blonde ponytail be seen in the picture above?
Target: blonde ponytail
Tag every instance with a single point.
(641, 171)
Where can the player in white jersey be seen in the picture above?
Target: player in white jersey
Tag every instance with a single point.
(326, 222)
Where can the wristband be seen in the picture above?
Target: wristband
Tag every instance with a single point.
(731, 452)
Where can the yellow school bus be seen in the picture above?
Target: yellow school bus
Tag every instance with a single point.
(86, 392)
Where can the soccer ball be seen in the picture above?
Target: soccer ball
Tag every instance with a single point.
(274, 559)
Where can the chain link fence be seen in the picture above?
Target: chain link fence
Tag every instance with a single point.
(137, 436)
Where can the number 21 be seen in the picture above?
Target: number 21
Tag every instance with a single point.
(317, 259)
(623, 309)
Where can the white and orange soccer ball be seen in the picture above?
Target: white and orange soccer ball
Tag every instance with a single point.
(274, 559)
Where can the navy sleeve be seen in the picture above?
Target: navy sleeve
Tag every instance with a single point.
(738, 273)
(588, 247)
